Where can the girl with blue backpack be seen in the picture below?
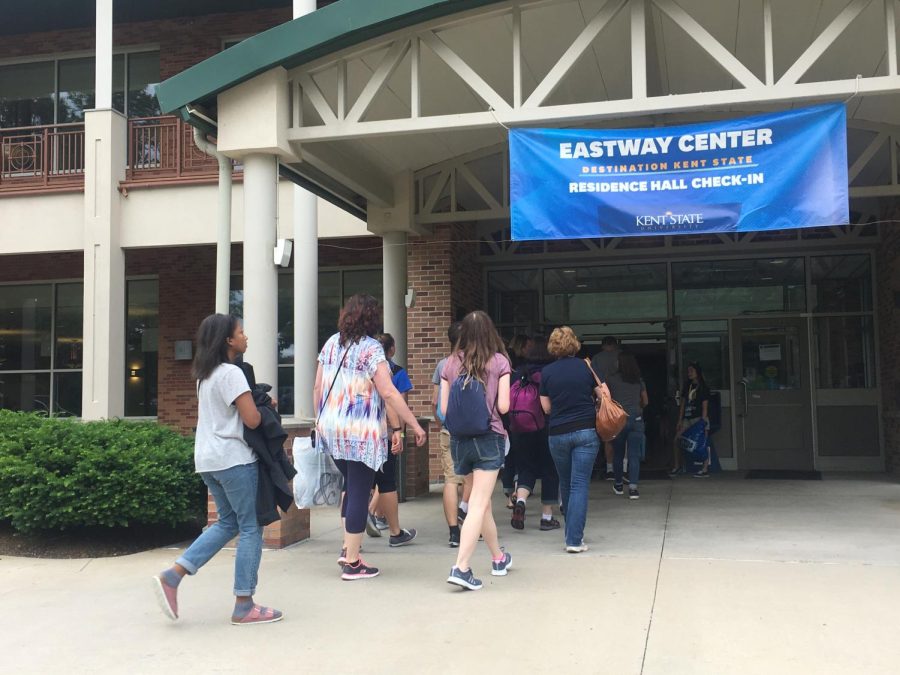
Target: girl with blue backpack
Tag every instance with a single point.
(474, 393)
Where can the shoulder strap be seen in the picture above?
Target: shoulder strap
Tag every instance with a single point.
(591, 368)
(340, 365)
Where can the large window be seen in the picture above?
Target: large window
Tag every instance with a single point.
(335, 287)
(604, 294)
(59, 91)
(736, 287)
(41, 348)
(141, 347)
(706, 343)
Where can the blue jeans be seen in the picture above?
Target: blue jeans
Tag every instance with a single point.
(574, 454)
(630, 438)
(234, 491)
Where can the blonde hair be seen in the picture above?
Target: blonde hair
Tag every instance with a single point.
(563, 342)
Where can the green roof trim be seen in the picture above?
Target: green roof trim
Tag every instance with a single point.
(330, 29)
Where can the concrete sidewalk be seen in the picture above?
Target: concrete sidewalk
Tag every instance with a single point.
(698, 576)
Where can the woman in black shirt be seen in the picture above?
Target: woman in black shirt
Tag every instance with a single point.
(694, 408)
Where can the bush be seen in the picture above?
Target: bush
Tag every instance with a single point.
(61, 473)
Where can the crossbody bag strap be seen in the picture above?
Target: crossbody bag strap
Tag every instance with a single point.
(340, 365)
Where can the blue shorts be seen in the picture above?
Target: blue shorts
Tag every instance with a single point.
(477, 452)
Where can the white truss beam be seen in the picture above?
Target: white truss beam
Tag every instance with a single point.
(552, 80)
(363, 179)
(317, 98)
(587, 112)
(890, 24)
(383, 71)
(713, 47)
(866, 156)
(824, 41)
(768, 43)
(638, 48)
(474, 81)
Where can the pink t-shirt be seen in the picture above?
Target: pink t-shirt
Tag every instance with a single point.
(497, 367)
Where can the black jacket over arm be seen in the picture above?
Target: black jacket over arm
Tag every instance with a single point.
(267, 442)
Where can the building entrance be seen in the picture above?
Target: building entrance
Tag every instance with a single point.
(772, 392)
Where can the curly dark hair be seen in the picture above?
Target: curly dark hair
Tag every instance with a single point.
(360, 317)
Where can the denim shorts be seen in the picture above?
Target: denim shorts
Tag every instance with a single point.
(477, 452)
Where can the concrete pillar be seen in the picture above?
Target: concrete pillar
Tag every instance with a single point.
(260, 273)
(103, 388)
(104, 54)
(394, 274)
(306, 282)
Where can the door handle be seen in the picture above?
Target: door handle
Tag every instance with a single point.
(743, 384)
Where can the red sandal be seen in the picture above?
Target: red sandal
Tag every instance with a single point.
(258, 614)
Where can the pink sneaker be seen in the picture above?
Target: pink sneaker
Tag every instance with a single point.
(258, 615)
(167, 597)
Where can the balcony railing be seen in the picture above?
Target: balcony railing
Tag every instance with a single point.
(42, 158)
(161, 150)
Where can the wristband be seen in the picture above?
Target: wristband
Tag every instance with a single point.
(394, 430)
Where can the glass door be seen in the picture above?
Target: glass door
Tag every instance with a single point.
(772, 394)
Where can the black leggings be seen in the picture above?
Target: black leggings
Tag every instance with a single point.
(357, 488)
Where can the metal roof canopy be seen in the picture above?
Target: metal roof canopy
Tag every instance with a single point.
(417, 92)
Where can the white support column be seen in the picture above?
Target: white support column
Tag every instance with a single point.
(306, 283)
(104, 54)
(260, 273)
(394, 275)
(103, 378)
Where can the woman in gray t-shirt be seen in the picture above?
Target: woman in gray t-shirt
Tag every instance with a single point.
(628, 389)
(228, 467)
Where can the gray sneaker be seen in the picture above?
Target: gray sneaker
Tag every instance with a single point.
(404, 538)
(465, 579)
(371, 527)
(499, 568)
(381, 523)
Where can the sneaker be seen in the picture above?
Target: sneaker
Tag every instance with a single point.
(405, 537)
(551, 524)
(454, 539)
(371, 528)
(633, 493)
(510, 504)
(358, 571)
(518, 516)
(609, 475)
(342, 558)
(581, 548)
(499, 568)
(465, 579)
(167, 597)
(676, 471)
(617, 488)
(701, 474)
(381, 523)
(461, 516)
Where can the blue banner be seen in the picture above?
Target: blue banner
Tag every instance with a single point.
(768, 172)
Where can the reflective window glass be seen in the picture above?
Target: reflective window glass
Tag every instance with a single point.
(143, 78)
(842, 283)
(286, 390)
(25, 327)
(771, 357)
(26, 94)
(118, 83)
(285, 318)
(363, 281)
(514, 297)
(608, 293)
(846, 352)
(69, 326)
(706, 343)
(67, 394)
(329, 304)
(27, 392)
(76, 89)
(141, 348)
(735, 287)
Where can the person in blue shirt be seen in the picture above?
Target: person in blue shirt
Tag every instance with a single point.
(384, 507)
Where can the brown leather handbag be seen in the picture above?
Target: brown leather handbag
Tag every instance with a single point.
(611, 417)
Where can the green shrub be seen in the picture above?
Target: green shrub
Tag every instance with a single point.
(61, 473)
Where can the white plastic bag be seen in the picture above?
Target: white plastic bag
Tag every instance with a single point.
(318, 481)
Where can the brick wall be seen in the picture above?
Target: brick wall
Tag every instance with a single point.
(42, 267)
(183, 42)
(887, 263)
(447, 278)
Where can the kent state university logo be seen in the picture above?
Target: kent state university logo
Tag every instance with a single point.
(668, 220)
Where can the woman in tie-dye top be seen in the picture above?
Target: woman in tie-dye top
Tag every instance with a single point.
(353, 384)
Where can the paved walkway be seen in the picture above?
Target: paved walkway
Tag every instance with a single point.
(718, 576)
